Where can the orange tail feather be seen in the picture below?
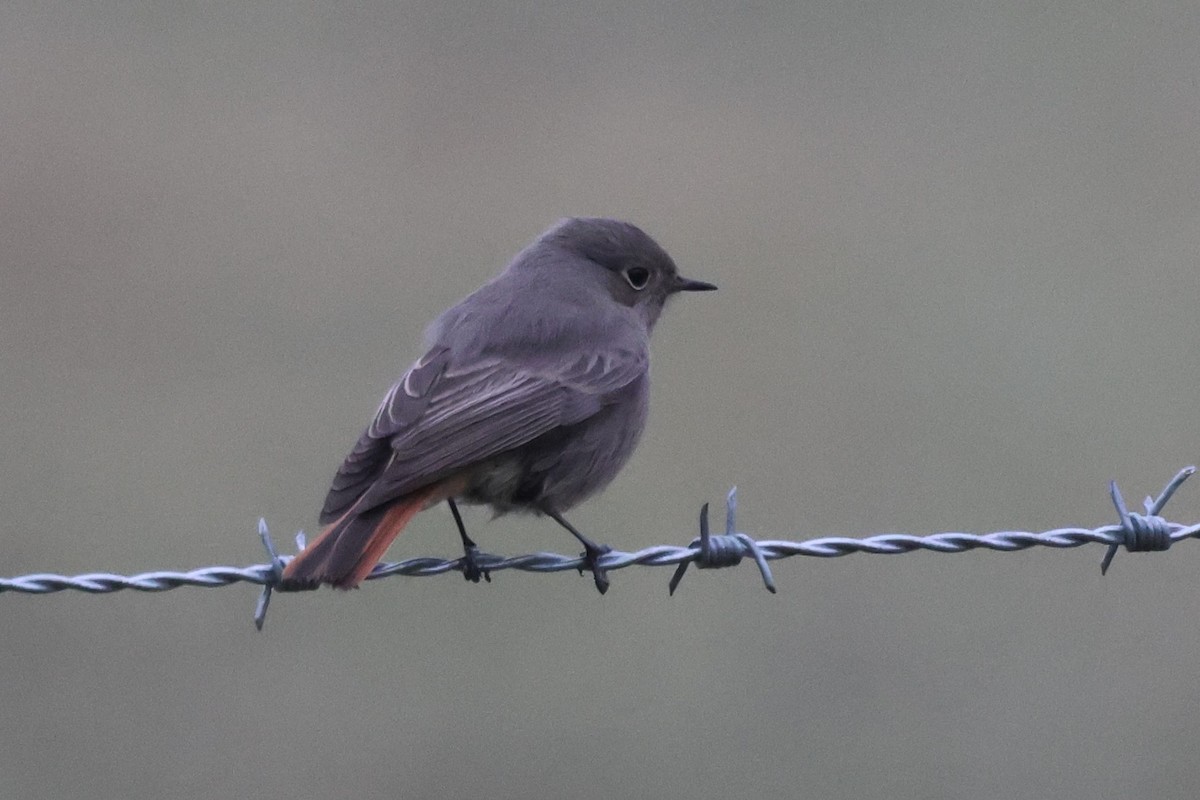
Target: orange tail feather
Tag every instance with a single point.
(348, 549)
(381, 539)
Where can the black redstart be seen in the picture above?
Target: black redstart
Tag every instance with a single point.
(531, 397)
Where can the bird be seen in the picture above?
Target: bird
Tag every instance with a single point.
(530, 396)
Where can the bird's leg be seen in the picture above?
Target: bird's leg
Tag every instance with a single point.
(471, 570)
(591, 550)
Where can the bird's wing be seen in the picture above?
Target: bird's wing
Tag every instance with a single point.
(442, 416)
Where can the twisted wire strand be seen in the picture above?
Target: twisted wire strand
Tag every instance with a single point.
(654, 556)
(1135, 531)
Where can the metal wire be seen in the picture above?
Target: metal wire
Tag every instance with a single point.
(1134, 531)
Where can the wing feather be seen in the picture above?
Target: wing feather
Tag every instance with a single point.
(442, 416)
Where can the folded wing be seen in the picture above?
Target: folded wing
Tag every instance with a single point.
(443, 416)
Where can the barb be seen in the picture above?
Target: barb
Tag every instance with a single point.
(1143, 532)
(1136, 532)
(723, 551)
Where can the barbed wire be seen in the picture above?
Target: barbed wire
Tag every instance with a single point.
(1134, 531)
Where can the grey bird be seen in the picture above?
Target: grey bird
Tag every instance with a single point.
(531, 396)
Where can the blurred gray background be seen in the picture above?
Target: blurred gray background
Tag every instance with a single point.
(958, 250)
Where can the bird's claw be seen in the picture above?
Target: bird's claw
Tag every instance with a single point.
(591, 560)
(470, 567)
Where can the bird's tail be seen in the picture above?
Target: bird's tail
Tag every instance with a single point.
(348, 549)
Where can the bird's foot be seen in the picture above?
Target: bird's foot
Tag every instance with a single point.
(591, 560)
(470, 567)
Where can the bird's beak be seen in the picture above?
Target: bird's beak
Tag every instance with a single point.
(683, 284)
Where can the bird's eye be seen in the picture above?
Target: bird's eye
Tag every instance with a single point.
(637, 277)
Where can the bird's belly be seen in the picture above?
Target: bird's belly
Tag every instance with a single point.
(565, 466)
